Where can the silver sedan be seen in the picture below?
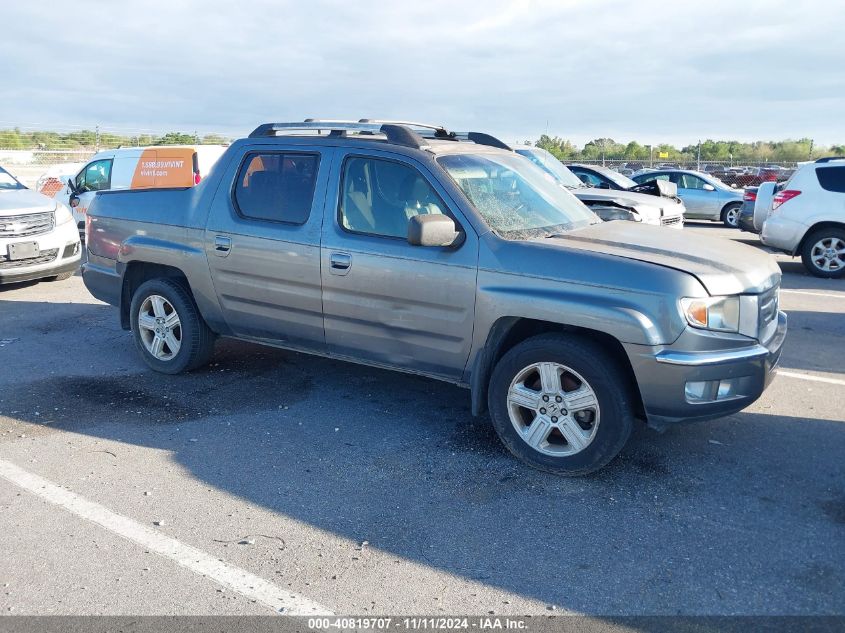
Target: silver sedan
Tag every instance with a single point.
(705, 197)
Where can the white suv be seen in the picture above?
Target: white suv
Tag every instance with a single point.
(808, 217)
(38, 237)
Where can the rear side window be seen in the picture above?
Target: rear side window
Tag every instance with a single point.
(277, 187)
(832, 178)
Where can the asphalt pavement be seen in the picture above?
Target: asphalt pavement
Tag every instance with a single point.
(272, 481)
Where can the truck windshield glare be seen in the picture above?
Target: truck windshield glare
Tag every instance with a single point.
(516, 198)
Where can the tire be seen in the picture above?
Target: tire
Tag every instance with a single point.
(183, 343)
(730, 215)
(823, 253)
(61, 276)
(605, 426)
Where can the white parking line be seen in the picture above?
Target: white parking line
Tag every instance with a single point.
(813, 294)
(829, 381)
(234, 578)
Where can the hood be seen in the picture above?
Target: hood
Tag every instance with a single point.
(723, 266)
(628, 199)
(19, 201)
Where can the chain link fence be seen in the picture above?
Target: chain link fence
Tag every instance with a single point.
(745, 174)
(39, 152)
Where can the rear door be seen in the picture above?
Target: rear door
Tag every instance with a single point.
(263, 243)
(384, 300)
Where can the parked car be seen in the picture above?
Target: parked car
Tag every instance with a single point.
(756, 206)
(601, 177)
(610, 204)
(158, 166)
(705, 197)
(38, 239)
(407, 247)
(807, 217)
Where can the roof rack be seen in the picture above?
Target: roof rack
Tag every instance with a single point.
(828, 159)
(407, 133)
(398, 134)
(440, 131)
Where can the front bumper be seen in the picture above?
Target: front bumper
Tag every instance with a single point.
(63, 239)
(782, 233)
(680, 385)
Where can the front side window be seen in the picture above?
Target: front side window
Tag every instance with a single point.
(277, 187)
(95, 177)
(517, 199)
(380, 196)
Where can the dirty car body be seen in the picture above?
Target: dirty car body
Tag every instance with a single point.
(414, 250)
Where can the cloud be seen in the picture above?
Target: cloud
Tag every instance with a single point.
(651, 70)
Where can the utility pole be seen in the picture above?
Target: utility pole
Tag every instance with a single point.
(698, 159)
(97, 138)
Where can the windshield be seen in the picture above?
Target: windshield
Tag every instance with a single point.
(546, 161)
(7, 181)
(517, 199)
(615, 176)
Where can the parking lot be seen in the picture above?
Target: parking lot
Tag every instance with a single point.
(277, 481)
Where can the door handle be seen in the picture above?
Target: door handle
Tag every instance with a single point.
(222, 245)
(340, 263)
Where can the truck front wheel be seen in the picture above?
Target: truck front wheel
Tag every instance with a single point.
(561, 404)
(169, 331)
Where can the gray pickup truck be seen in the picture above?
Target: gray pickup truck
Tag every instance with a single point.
(413, 248)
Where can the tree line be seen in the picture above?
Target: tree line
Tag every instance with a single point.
(93, 139)
(710, 150)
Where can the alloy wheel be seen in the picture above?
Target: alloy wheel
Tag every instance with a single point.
(159, 327)
(554, 409)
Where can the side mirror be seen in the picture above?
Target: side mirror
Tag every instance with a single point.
(708, 187)
(433, 229)
(74, 201)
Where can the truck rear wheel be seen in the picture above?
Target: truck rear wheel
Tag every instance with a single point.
(561, 404)
(169, 331)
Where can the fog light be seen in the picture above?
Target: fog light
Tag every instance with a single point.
(727, 389)
(695, 391)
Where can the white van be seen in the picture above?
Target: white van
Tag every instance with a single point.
(155, 167)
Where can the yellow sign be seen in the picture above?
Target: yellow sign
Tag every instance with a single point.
(662, 154)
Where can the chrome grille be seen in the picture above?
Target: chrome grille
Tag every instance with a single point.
(27, 224)
(674, 220)
(768, 306)
(44, 257)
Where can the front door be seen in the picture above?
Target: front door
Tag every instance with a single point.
(384, 300)
(95, 176)
(700, 201)
(262, 242)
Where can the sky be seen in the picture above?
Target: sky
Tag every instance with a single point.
(647, 70)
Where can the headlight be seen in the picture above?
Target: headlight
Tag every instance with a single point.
(712, 313)
(63, 214)
(614, 213)
(648, 212)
